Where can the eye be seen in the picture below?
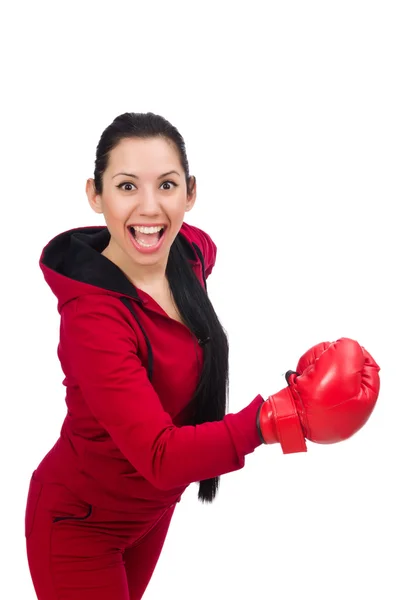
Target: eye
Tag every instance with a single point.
(127, 183)
(168, 182)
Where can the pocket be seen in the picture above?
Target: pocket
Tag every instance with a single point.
(74, 517)
(34, 493)
(68, 507)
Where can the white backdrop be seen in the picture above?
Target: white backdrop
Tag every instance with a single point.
(288, 110)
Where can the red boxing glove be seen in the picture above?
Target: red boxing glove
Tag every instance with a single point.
(328, 399)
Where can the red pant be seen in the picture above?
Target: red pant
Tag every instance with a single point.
(79, 552)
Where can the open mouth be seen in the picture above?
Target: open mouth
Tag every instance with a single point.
(147, 237)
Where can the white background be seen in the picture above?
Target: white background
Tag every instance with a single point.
(288, 110)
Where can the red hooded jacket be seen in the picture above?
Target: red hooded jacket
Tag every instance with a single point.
(126, 442)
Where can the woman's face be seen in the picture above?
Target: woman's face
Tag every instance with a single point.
(144, 200)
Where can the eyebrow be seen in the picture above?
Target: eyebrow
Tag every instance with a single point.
(136, 176)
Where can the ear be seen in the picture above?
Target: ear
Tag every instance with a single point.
(94, 199)
(191, 193)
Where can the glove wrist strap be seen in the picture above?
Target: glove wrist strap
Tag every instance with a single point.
(287, 422)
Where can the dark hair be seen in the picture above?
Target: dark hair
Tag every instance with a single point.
(211, 395)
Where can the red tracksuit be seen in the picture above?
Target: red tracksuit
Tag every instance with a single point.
(101, 500)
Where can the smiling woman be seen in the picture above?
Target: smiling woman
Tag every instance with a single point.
(145, 360)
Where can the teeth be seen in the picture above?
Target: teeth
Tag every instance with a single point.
(141, 243)
(148, 229)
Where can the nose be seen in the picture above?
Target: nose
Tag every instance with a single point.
(149, 203)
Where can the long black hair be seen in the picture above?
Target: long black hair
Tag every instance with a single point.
(211, 395)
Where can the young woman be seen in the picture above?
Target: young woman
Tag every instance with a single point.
(145, 360)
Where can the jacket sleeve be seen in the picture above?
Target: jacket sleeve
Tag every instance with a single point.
(101, 347)
(204, 242)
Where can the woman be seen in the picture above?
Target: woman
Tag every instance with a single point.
(145, 360)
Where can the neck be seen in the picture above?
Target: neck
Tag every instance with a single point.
(142, 276)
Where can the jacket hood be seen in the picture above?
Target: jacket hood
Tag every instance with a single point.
(73, 266)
